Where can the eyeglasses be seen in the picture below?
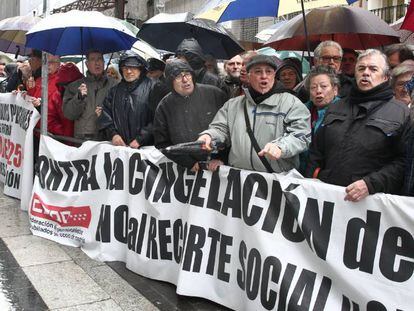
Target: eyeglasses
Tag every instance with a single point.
(336, 59)
(182, 75)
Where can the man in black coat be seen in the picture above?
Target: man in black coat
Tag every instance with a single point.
(185, 112)
(126, 117)
(361, 142)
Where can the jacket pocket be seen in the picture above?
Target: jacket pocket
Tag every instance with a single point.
(379, 134)
(333, 118)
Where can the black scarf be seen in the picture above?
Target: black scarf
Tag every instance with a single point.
(259, 97)
(381, 92)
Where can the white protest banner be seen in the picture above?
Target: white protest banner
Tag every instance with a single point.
(17, 120)
(246, 240)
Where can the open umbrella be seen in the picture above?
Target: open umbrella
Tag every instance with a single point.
(77, 32)
(286, 54)
(266, 33)
(166, 31)
(13, 33)
(226, 10)
(351, 27)
(406, 36)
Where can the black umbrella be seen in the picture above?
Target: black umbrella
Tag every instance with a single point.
(351, 27)
(166, 31)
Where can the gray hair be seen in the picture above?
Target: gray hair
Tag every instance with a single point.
(322, 70)
(318, 50)
(373, 52)
(402, 69)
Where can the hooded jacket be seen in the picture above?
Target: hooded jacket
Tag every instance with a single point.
(126, 112)
(193, 53)
(179, 119)
(57, 123)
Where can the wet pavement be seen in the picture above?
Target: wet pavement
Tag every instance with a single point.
(38, 274)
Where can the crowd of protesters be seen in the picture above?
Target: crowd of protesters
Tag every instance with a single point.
(348, 122)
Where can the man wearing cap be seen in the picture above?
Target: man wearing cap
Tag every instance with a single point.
(186, 111)
(84, 95)
(279, 122)
(126, 119)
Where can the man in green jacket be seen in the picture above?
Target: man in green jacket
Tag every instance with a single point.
(84, 95)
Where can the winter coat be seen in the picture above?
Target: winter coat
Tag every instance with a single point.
(57, 123)
(362, 137)
(82, 110)
(231, 86)
(180, 119)
(281, 119)
(409, 166)
(126, 112)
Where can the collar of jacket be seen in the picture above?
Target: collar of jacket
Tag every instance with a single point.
(92, 77)
(371, 98)
(257, 98)
(232, 80)
(185, 96)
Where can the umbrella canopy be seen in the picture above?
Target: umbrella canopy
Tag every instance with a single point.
(166, 31)
(408, 23)
(145, 50)
(266, 33)
(134, 29)
(77, 32)
(351, 27)
(227, 10)
(13, 33)
(286, 54)
(406, 36)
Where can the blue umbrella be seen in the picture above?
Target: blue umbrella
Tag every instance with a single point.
(227, 10)
(77, 32)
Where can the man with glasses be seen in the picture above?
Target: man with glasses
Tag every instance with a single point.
(84, 95)
(278, 120)
(185, 112)
(329, 53)
(126, 118)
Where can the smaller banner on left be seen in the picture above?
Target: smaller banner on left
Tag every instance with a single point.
(18, 117)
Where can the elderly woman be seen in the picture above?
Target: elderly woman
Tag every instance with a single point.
(401, 74)
(323, 86)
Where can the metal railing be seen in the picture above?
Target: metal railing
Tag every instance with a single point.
(390, 14)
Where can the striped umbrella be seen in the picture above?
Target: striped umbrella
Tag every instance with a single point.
(226, 10)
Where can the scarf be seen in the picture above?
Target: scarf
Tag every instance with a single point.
(381, 92)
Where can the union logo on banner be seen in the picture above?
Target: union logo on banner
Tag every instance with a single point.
(68, 216)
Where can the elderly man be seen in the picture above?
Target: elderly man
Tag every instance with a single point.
(361, 142)
(279, 123)
(231, 84)
(185, 112)
(126, 117)
(329, 53)
(84, 95)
